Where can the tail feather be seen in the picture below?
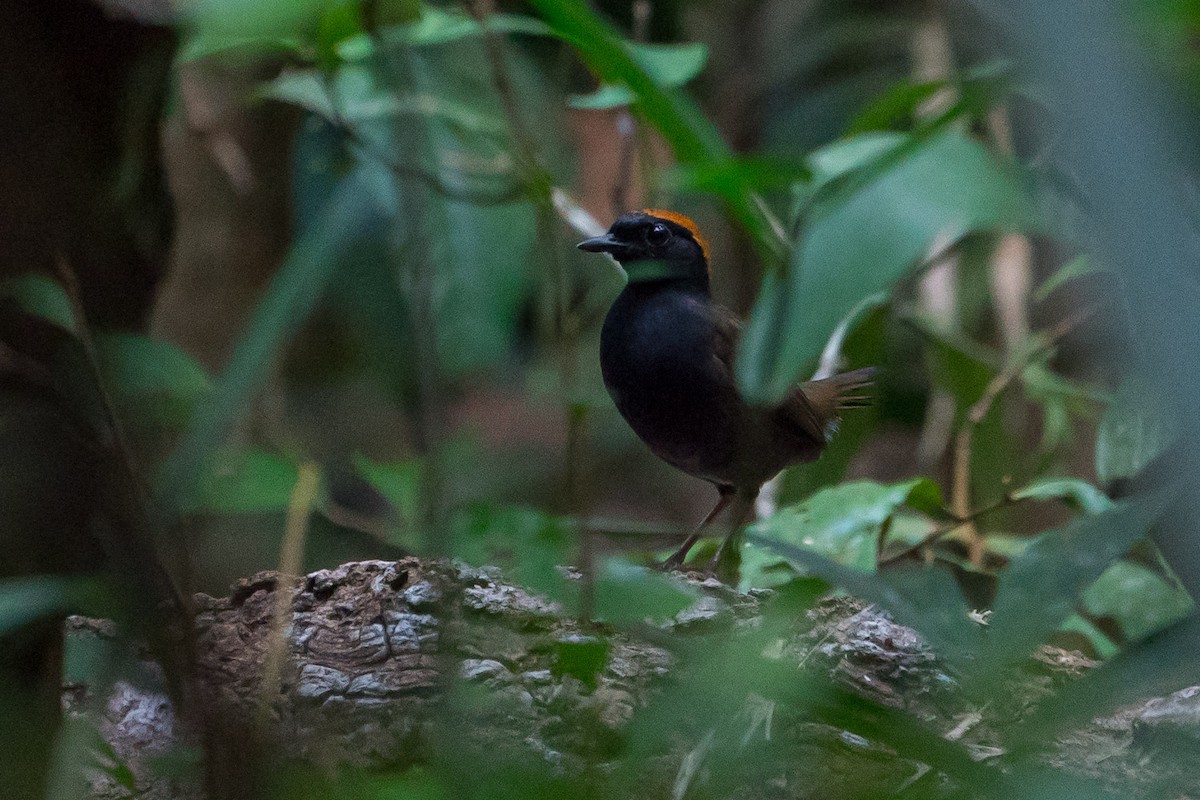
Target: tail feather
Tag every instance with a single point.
(816, 406)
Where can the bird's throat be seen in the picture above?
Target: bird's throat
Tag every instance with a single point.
(654, 269)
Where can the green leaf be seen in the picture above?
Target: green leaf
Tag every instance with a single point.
(41, 296)
(528, 545)
(150, 380)
(864, 236)
(581, 656)
(1079, 267)
(215, 26)
(399, 482)
(26, 600)
(760, 173)
(692, 138)
(924, 598)
(629, 593)
(248, 482)
(895, 106)
(669, 65)
(1076, 492)
(1135, 430)
(1042, 585)
(1138, 598)
(957, 364)
(843, 522)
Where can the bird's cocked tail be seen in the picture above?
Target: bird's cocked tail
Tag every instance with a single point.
(818, 405)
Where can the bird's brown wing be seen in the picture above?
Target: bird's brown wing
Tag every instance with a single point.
(813, 408)
(727, 332)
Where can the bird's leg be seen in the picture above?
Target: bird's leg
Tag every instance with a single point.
(743, 513)
(677, 558)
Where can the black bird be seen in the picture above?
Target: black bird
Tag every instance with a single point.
(666, 353)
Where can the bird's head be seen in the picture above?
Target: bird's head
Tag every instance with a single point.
(655, 245)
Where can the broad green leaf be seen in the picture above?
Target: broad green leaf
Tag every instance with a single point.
(26, 600)
(1138, 598)
(863, 237)
(1134, 431)
(909, 593)
(1042, 585)
(895, 106)
(669, 65)
(757, 172)
(1078, 493)
(581, 656)
(629, 593)
(41, 296)
(247, 482)
(528, 545)
(214, 26)
(438, 26)
(150, 380)
(842, 523)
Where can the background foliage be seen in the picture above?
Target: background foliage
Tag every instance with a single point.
(252, 242)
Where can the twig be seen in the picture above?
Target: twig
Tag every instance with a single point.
(960, 491)
(291, 564)
(944, 531)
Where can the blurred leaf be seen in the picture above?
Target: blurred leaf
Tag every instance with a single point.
(215, 26)
(399, 482)
(863, 238)
(41, 296)
(1157, 665)
(895, 106)
(581, 656)
(1134, 431)
(528, 545)
(1078, 493)
(958, 365)
(1041, 586)
(1079, 267)
(1137, 598)
(353, 95)
(26, 600)
(353, 211)
(761, 173)
(842, 523)
(692, 138)
(909, 593)
(441, 26)
(668, 65)
(150, 380)
(247, 482)
(630, 593)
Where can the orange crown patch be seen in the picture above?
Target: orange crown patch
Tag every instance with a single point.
(686, 222)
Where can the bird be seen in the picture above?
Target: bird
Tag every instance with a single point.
(667, 359)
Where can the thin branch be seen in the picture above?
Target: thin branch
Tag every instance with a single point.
(960, 485)
(291, 567)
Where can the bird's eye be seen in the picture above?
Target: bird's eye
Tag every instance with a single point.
(659, 235)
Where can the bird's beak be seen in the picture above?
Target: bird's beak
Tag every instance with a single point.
(603, 244)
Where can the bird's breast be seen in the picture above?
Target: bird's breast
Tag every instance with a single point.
(659, 365)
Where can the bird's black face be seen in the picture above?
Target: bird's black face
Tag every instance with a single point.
(653, 248)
